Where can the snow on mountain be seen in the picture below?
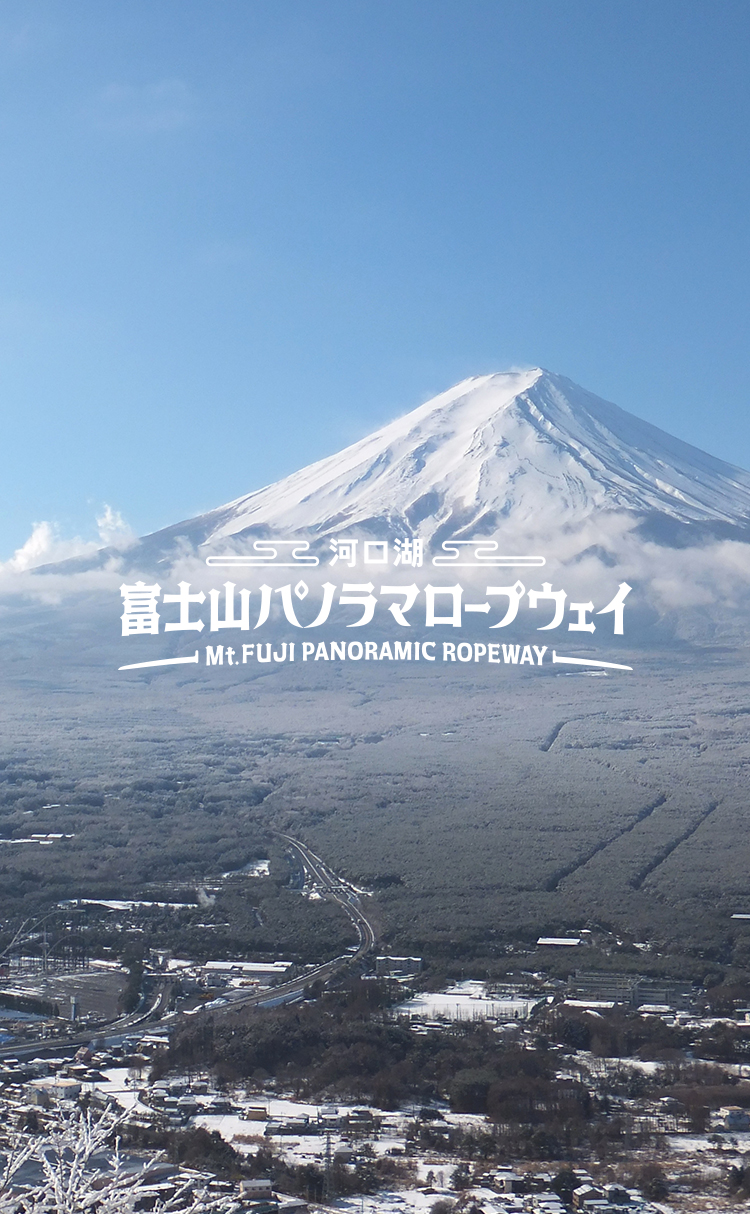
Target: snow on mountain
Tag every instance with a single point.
(524, 452)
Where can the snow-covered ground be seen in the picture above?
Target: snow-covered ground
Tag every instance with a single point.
(118, 1084)
(403, 1201)
(297, 1148)
(117, 904)
(256, 868)
(467, 1001)
(432, 1169)
(528, 445)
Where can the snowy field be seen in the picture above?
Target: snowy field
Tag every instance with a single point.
(404, 1201)
(466, 1001)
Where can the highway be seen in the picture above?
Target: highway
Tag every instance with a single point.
(124, 1026)
(318, 878)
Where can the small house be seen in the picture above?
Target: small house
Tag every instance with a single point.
(734, 1117)
(258, 1188)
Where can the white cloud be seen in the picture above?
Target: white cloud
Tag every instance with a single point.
(46, 546)
(114, 532)
(678, 586)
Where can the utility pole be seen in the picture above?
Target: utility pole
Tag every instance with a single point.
(328, 1178)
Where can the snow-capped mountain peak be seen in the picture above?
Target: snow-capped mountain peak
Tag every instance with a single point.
(519, 450)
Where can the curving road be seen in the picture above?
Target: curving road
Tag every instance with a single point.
(319, 878)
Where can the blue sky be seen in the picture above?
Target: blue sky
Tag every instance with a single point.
(236, 235)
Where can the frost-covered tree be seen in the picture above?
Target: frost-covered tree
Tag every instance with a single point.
(81, 1172)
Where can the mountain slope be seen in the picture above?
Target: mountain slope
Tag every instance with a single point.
(514, 451)
(528, 456)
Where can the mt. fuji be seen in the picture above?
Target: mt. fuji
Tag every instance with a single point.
(522, 451)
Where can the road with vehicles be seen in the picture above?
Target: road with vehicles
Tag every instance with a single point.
(318, 878)
(315, 877)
